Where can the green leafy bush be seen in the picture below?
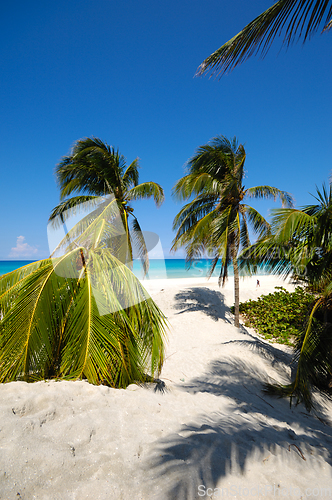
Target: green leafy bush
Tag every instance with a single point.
(278, 316)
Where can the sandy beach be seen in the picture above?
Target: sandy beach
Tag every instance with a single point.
(209, 432)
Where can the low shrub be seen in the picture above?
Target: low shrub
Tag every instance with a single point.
(278, 316)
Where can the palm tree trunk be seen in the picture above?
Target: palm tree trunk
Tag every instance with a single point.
(236, 293)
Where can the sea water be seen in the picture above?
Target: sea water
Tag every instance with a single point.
(159, 268)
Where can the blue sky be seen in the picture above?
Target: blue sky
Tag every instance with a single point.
(124, 72)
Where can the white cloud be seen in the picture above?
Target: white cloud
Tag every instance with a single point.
(22, 249)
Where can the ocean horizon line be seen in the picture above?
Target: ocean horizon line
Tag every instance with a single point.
(168, 268)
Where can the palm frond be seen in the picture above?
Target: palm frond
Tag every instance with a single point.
(314, 362)
(196, 183)
(193, 211)
(328, 26)
(194, 235)
(147, 190)
(271, 192)
(93, 167)
(288, 223)
(72, 207)
(244, 232)
(104, 225)
(131, 175)
(257, 221)
(299, 19)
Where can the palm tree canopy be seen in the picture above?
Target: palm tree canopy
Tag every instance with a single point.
(300, 241)
(97, 169)
(94, 169)
(297, 19)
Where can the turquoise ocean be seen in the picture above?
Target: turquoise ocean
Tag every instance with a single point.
(159, 268)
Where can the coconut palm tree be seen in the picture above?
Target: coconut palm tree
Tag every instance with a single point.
(216, 220)
(300, 243)
(95, 169)
(298, 19)
(81, 315)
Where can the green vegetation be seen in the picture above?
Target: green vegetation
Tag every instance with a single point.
(82, 313)
(278, 316)
(301, 243)
(57, 322)
(216, 220)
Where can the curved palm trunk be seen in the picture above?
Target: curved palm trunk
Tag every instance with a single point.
(236, 292)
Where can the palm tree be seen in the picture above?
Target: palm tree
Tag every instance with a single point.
(216, 220)
(297, 18)
(300, 243)
(94, 169)
(82, 315)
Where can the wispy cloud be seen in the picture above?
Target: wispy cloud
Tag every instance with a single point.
(22, 249)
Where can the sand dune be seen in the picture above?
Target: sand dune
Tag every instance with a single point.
(209, 433)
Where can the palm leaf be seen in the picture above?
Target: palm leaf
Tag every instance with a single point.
(72, 207)
(196, 183)
(146, 190)
(131, 175)
(298, 18)
(270, 192)
(314, 362)
(257, 221)
(289, 223)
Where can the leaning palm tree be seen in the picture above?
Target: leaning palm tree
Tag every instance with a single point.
(216, 220)
(82, 314)
(295, 18)
(95, 169)
(300, 243)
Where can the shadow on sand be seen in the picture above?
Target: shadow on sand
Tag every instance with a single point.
(202, 299)
(253, 427)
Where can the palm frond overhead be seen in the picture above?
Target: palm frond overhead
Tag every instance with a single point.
(288, 223)
(194, 184)
(193, 211)
(102, 226)
(296, 19)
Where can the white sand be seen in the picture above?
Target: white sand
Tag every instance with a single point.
(213, 427)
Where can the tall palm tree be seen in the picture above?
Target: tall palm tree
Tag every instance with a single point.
(216, 220)
(301, 243)
(296, 18)
(94, 169)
